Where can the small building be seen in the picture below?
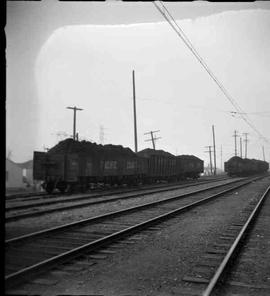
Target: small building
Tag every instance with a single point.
(14, 175)
(27, 171)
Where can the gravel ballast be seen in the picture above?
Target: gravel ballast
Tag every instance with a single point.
(29, 225)
(156, 262)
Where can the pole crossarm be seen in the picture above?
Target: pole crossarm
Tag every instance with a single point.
(153, 139)
(75, 109)
(151, 132)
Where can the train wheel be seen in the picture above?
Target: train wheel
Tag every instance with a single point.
(49, 187)
(62, 187)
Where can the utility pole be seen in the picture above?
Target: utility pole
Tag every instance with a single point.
(153, 139)
(221, 164)
(75, 109)
(235, 144)
(210, 157)
(263, 153)
(241, 154)
(245, 140)
(214, 146)
(134, 112)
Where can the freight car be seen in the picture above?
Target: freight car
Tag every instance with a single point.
(189, 166)
(161, 165)
(72, 164)
(237, 166)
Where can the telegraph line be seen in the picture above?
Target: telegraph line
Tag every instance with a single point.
(184, 38)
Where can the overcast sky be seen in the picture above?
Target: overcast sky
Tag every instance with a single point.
(56, 59)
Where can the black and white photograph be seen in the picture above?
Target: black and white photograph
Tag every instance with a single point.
(137, 148)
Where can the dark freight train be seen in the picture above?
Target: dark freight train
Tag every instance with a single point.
(237, 166)
(72, 164)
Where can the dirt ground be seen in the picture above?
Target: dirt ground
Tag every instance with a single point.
(151, 263)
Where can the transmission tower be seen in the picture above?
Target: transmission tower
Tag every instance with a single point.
(101, 134)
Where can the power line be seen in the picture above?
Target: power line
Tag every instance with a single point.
(184, 38)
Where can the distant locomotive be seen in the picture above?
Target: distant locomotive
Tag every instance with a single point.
(237, 166)
(72, 164)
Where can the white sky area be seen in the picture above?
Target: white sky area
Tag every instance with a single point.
(90, 66)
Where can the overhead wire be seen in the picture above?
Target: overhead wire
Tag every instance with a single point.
(188, 43)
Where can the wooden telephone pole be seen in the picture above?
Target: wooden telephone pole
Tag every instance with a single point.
(214, 147)
(210, 157)
(245, 140)
(235, 143)
(134, 112)
(241, 154)
(75, 109)
(153, 139)
(263, 153)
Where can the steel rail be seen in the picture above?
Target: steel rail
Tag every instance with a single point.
(111, 214)
(88, 203)
(23, 274)
(235, 247)
(78, 198)
(39, 195)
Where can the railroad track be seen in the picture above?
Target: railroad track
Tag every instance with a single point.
(223, 270)
(26, 256)
(22, 211)
(13, 198)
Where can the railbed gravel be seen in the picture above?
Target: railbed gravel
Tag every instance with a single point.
(29, 225)
(155, 263)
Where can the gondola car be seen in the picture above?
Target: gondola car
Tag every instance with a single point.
(161, 165)
(237, 166)
(189, 166)
(72, 164)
